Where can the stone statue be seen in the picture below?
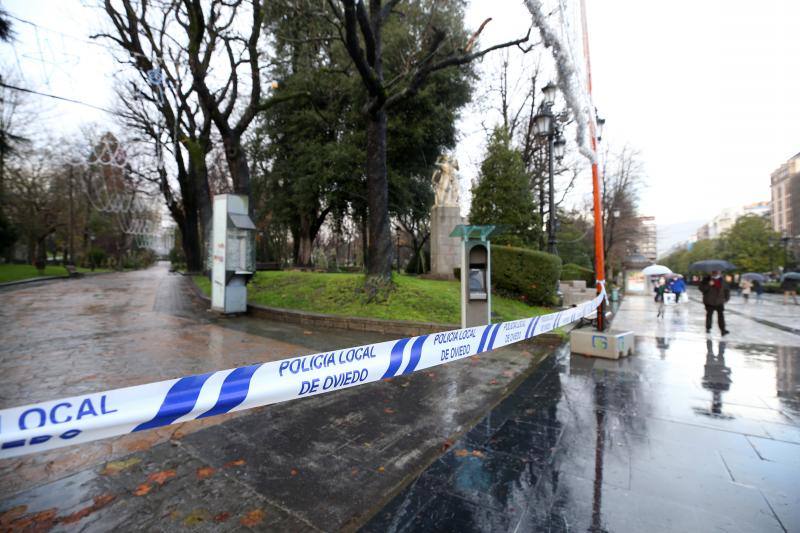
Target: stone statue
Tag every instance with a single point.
(445, 181)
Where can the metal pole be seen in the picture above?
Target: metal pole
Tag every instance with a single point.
(551, 221)
(71, 220)
(599, 260)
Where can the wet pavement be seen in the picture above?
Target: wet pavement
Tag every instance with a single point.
(76, 336)
(692, 433)
(324, 463)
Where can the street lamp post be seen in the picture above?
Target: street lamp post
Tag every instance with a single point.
(546, 125)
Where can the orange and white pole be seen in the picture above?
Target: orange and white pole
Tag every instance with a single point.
(599, 259)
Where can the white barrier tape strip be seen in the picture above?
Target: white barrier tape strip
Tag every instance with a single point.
(54, 424)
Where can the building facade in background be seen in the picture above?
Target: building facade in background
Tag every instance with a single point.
(647, 241)
(728, 217)
(785, 186)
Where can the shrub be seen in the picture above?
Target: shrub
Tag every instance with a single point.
(571, 271)
(528, 274)
(97, 257)
(419, 263)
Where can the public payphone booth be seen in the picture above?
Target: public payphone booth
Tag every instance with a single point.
(476, 274)
(233, 257)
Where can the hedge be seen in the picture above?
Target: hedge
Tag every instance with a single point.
(571, 271)
(528, 274)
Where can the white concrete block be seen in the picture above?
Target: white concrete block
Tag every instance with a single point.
(608, 344)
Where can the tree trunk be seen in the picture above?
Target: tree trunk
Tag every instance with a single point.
(379, 256)
(205, 209)
(237, 163)
(190, 242)
(304, 250)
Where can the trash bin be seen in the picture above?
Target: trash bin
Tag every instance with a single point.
(615, 295)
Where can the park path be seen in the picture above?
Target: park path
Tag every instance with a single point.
(323, 463)
(77, 336)
(690, 433)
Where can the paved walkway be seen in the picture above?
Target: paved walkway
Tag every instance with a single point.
(692, 433)
(321, 464)
(75, 336)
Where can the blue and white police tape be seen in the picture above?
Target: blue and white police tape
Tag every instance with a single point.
(54, 424)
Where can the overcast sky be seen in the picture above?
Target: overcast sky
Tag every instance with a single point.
(707, 90)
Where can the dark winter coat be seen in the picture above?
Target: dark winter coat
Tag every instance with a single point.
(715, 291)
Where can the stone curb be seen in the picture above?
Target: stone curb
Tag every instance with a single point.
(56, 278)
(30, 280)
(403, 328)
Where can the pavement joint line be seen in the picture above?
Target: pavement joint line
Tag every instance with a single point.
(774, 514)
(769, 323)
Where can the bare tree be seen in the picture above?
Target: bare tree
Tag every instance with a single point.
(620, 198)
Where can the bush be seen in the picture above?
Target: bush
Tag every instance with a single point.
(571, 271)
(97, 257)
(527, 274)
(419, 264)
(773, 288)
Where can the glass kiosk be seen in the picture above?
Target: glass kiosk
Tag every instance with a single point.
(233, 258)
(476, 274)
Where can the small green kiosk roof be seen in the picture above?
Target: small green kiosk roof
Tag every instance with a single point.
(467, 232)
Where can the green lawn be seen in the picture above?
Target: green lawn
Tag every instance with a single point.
(18, 272)
(337, 294)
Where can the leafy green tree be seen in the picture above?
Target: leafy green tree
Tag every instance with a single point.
(502, 195)
(309, 155)
(575, 239)
(751, 245)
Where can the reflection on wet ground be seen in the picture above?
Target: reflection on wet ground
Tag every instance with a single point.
(689, 434)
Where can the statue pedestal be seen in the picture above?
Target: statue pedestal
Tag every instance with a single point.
(445, 250)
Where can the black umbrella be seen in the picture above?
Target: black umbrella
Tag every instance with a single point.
(755, 276)
(794, 276)
(709, 265)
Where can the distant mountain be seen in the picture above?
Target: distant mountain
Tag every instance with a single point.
(671, 234)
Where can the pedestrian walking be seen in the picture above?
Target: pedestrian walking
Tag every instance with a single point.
(747, 288)
(661, 288)
(789, 288)
(759, 288)
(678, 287)
(715, 295)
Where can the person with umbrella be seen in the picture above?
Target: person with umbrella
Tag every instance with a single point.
(756, 282)
(716, 292)
(789, 286)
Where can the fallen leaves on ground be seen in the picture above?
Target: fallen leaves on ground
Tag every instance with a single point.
(253, 518)
(161, 477)
(198, 516)
(99, 502)
(237, 462)
(142, 489)
(205, 471)
(115, 467)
